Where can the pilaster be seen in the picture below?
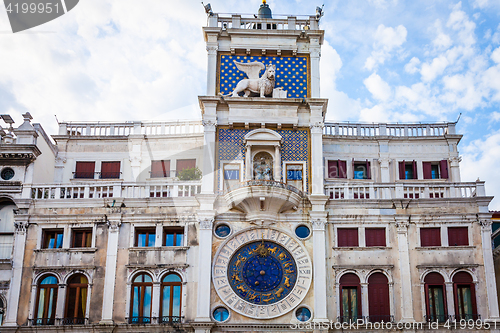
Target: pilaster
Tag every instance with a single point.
(402, 225)
(489, 269)
(21, 224)
(206, 222)
(114, 222)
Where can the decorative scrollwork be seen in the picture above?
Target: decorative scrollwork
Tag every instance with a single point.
(207, 224)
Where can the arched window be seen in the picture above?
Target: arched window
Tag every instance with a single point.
(140, 305)
(350, 298)
(171, 291)
(46, 301)
(76, 300)
(435, 298)
(378, 298)
(2, 311)
(465, 297)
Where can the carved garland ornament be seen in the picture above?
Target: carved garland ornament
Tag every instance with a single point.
(262, 273)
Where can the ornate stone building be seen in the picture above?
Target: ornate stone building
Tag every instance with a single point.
(261, 217)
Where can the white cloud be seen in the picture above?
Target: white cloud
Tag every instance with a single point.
(495, 116)
(480, 3)
(496, 55)
(387, 39)
(411, 67)
(460, 22)
(383, 3)
(442, 41)
(378, 87)
(431, 70)
(481, 158)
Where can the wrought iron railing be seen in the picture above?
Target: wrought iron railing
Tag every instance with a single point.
(170, 320)
(380, 319)
(140, 320)
(73, 321)
(466, 316)
(42, 321)
(349, 319)
(438, 318)
(271, 183)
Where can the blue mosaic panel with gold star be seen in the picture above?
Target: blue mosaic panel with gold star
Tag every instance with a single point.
(262, 272)
(294, 148)
(291, 73)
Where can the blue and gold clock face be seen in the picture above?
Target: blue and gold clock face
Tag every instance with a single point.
(262, 272)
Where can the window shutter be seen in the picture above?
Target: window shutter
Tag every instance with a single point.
(458, 236)
(402, 170)
(342, 169)
(443, 165)
(414, 166)
(84, 169)
(368, 171)
(347, 237)
(430, 237)
(332, 170)
(160, 168)
(427, 168)
(185, 164)
(110, 170)
(375, 237)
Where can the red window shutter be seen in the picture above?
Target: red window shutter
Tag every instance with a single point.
(368, 170)
(443, 166)
(347, 237)
(84, 169)
(458, 236)
(378, 298)
(185, 164)
(414, 166)
(434, 279)
(430, 237)
(160, 168)
(352, 167)
(375, 237)
(110, 170)
(342, 169)
(402, 174)
(333, 169)
(427, 168)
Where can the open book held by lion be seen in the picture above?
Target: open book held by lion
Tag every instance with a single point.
(263, 85)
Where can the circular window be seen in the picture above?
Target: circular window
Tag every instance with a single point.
(303, 314)
(221, 314)
(222, 230)
(302, 231)
(7, 174)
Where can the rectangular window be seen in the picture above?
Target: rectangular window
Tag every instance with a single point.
(185, 164)
(52, 239)
(110, 170)
(145, 237)
(294, 175)
(85, 170)
(408, 170)
(347, 237)
(430, 236)
(337, 169)
(173, 236)
(160, 169)
(361, 170)
(375, 237)
(458, 236)
(435, 170)
(82, 238)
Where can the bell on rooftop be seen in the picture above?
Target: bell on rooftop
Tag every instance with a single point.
(264, 11)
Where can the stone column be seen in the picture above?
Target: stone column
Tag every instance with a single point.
(204, 269)
(61, 300)
(454, 172)
(155, 311)
(277, 164)
(114, 223)
(135, 156)
(364, 299)
(385, 174)
(450, 302)
(317, 158)
(248, 163)
(21, 224)
(404, 263)
(319, 269)
(489, 269)
(207, 184)
(212, 68)
(315, 55)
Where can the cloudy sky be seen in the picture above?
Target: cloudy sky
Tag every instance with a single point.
(382, 61)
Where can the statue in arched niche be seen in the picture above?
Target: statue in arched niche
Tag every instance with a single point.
(263, 166)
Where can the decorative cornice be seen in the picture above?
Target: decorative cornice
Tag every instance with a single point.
(21, 226)
(485, 225)
(113, 225)
(208, 124)
(319, 224)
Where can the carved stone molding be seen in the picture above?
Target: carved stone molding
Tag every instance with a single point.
(21, 226)
(114, 225)
(208, 124)
(212, 49)
(485, 225)
(456, 160)
(402, 226)
(206, 224)
(317, 125)
(318, 224)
